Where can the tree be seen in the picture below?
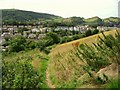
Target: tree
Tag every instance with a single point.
(54, 37)
(17, 44)
(94, 22)
(42, 44)
(30, 44)
(49, 40)
(95, 31)
(88, 33)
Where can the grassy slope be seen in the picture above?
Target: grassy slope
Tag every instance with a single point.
(22, 15)
(58, 74)
(92, 19)
(68, 46)
(38, 60)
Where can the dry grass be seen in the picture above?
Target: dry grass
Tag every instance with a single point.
(62, 48)
(61, 67)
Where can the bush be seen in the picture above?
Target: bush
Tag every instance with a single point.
(113, 84)
(17, 44)
(75, 37)
(54, 37)
(42, 44)
(88, 33)
(30, 44)
(100, 54)
(50, 39)
(65, 39)
(95, 31)
(47, 50)
(19, 74)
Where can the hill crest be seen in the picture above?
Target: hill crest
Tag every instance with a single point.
(23, 15)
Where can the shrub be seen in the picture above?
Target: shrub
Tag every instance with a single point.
(17, 44)
(101, 54)
(88, 33)
(95, 31)
(75, 37)
(54, 37)
(47, 50)
(19, 74)
(66, 39)
(42, 44)
(30, 44)
(113, 83)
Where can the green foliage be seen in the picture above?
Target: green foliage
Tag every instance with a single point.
(14, 16)
(50, 39)
(65, 39)
(113, 84)
(63, 33)
(7, 38)
(42, 44)
(77, 20)
(30, 44)
(88, 33)
(99, 80)
(18, 70)
(47, 49)
(94, 21)
(54, 37)
(20, 17)
(42, 73)
(71, 38)
(78, 36)
(101, 54)
(17, 44)
(19, 74)
(111, 21)
(95, 31)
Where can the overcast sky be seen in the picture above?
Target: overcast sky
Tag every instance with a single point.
(66, 8)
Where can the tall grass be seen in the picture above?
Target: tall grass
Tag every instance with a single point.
(114, 83)
(105, 52)
(68, 69)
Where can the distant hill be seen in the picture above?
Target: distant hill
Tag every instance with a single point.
(112, 19)
(94, 21)
(21, 15)
(13, 16)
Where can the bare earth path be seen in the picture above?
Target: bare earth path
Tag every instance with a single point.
(48, 80)
(35, 64)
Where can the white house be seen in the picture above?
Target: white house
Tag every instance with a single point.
(6, 35)
(32, 36)
(102, 28)
(35, 30)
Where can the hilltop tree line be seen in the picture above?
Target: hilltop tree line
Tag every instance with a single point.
(72, 21)
(20, 17)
